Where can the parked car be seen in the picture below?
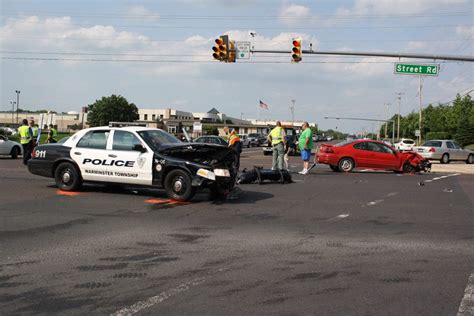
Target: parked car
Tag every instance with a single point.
(405, 144)
(244, 138)
(137, 156)
(9, 147)
(291, 140)
(254, 139)
(9, 130)
(445, 151)
(369, 154)
(211, 139)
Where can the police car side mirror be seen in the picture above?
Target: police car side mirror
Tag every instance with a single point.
(139, 148)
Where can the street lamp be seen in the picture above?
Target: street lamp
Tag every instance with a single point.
(13, 111)
(17, 103)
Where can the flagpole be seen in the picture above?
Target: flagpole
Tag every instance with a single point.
(258, 112)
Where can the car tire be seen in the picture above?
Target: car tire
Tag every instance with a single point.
(470, 159)
(444, 159)
(408, 168)
(178, 185)
(15, 152)
(334, 168)
(67, 177)
(346, 165)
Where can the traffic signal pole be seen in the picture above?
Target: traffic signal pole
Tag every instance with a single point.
(371, 54)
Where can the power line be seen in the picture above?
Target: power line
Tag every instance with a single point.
(16, 36)
(263, 27)
(236, 17)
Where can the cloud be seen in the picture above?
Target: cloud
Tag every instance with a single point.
(466, 32)
(290, 15)
(141, 11)
(387, 7)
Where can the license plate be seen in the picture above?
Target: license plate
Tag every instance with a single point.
(420, 150)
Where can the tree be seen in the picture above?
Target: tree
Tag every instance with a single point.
(210, 130)
(465, 129)
(111, 109)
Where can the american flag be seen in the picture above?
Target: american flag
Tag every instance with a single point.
(263, 105)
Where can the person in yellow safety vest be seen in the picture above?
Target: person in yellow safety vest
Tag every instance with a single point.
(34, 131)
(236, 144)
(26, 138)
(52, 135)
(277, 138)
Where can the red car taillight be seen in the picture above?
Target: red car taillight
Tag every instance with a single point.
(432, 150)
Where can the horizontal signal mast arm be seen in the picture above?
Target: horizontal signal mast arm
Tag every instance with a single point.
(372, 54)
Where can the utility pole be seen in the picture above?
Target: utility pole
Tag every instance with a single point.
(13, 111)
(17, 103)
(292, 109)
(386, 123)
(399, 103)
(420, 87)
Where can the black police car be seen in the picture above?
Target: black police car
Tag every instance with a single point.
(136, 156)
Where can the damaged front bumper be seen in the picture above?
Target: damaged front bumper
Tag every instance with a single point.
(222, 181)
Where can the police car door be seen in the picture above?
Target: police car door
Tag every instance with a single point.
(90, 154)
(130, 164)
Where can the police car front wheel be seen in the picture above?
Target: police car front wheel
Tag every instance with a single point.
(67, 177)
(178, 185)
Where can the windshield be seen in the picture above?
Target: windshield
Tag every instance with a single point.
(344, 143)
(156, 138)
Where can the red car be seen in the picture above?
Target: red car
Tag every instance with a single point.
(369, 154)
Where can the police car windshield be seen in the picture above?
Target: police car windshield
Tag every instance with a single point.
(156, 138)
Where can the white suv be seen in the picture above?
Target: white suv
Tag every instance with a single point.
(405, 144)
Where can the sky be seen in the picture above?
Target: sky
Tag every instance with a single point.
(63, 55)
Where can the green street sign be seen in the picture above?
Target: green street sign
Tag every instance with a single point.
(412, 69)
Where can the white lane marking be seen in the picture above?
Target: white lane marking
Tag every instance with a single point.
(157, 299)
(467, 302)
(374, 202)
(442, 177)
(338, 217)
(392, 194)
(161, 297)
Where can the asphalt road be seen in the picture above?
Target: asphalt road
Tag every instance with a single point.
(370, 243)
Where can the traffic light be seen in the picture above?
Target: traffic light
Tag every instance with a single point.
(232, 52)
(221, 50)
(296, 50)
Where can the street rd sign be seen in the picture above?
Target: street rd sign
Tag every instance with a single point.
(411, 69)
(417, 133)
(243, 50)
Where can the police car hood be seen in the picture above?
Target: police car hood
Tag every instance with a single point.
(207, 154)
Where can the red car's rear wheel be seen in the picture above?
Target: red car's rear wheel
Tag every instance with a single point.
(346, 164)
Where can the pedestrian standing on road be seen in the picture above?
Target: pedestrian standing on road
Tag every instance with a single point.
(26, 138)
(277, 138)
(305, 144)
(236, 144)
(34, 131)
(52, 135)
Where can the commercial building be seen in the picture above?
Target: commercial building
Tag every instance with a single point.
(171, 120)
(65, 122)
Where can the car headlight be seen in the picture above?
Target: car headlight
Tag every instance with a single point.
(206, 174)
(222, 172)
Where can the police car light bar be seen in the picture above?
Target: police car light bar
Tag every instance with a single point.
(125, 124)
